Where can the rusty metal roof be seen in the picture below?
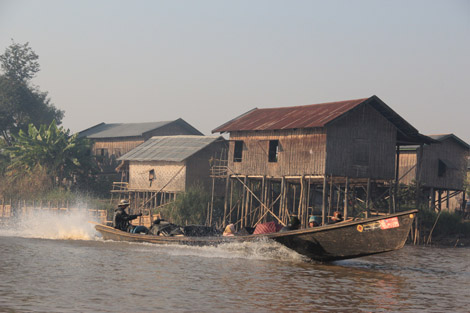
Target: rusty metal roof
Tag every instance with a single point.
(169, 148)
(319, 115)
(306, 116)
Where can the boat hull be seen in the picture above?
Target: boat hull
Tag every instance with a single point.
(327, 243)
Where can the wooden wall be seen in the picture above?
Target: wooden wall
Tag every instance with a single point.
(302, 151)
(116, 146)
(164, 172)
(362, 144)
(407, 162)
(451, 152)
(198, 165)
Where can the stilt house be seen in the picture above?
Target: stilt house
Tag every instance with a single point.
(110, 141)
(164, 166)
(117, 139)
(310, 146)
(439, 168)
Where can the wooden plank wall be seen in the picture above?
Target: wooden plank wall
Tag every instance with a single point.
(450, 151)
(362, 144)
(198, 165)
(164, 172)
(116, 146)
(408, 161)
(302, 151)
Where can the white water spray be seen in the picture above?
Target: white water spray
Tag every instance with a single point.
(51, 225)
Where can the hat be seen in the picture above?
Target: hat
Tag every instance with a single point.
(294, 221)
(311, 219)
(123, 202)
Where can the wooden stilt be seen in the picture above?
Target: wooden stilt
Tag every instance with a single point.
(330, 197)
(323, 208)
(368, 198)
(227, 182)
(346, 200)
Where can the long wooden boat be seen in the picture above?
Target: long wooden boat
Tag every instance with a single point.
(344, 240)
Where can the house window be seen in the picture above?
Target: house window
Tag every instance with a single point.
(273, 150)
(441, 169)
(102, 152)
(151, 176)
(238, 151)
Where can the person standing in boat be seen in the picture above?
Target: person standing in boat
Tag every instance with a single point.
(121, 219)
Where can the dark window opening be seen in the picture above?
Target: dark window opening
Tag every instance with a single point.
(151, 176)
(102, 152)
(273, 150)
(441, 169)
(238, 151)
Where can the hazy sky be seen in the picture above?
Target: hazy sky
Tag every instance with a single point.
(210, 61)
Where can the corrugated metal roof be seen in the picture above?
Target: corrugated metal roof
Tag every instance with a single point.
(307, 116)
(319, 115)
(443, 137)
(169, 148)
(121, 129)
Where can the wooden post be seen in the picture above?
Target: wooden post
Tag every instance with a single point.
(323, 207)
(330, 197)
(433, 199)
(447, 199)
(346, 201)
(368, 198)
(390, 197)
(397, 168)
(439, 198)
(245, 195)
(227, 182)
(212, 200)
(307, 204)
(282, 200)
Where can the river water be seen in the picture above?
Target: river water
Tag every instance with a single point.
(59, 264)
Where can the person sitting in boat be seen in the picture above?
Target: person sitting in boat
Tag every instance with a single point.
(121, 219)
(294, 224)
(337, 217)
(160, 227)
(313, 221)
(229, 230)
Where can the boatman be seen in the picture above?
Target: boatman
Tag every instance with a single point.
(121, 218)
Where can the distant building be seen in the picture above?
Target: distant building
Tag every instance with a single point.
(110, 141)
(164, 166)
(440, 168)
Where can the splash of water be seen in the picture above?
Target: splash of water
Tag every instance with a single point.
(263, 249)
(51, 225)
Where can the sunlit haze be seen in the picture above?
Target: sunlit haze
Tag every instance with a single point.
(210, 61)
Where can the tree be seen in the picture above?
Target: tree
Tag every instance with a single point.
(19, 62)
(49, 149)
(20, 102)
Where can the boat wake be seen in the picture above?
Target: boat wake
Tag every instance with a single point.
(51, 225)
(263, 249)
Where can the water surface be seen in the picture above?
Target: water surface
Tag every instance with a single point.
(51, 270)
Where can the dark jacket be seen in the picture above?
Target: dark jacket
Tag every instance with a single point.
(121, 219)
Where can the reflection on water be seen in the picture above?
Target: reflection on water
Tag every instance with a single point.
(43, 275)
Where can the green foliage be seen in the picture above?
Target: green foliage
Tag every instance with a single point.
(19, 62)
(50, 151)
(189, 207)
(20, 103)
(448, 224)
